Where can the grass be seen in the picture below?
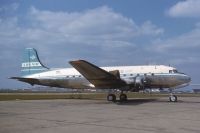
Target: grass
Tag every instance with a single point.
(43, 96)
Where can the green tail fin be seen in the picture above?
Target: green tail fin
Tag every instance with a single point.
(31, 63)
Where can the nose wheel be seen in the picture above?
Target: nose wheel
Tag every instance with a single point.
(173, 98)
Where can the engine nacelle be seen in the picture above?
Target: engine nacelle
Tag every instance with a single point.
(139, 82)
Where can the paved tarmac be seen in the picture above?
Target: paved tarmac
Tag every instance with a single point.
(100, 116)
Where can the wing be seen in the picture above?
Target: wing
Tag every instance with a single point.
(31, 81)
(97, 76)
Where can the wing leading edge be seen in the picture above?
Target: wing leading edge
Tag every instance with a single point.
(97, 76)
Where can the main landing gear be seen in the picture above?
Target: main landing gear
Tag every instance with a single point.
(172, 97)
(112, 97)
(123, 97)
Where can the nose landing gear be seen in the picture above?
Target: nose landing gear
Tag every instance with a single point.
(172, 97)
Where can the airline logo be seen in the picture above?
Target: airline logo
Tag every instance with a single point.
(33, 57)
(31, 64)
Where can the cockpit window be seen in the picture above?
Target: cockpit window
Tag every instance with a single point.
(173, 71)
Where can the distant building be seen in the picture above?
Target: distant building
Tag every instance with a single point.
(196, 90)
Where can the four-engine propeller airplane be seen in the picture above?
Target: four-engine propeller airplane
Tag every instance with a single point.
(85, 75)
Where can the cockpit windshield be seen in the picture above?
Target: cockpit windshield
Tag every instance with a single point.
(175, 71)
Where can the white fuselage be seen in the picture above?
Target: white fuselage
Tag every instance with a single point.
(160, 76)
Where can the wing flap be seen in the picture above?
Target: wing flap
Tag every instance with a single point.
(97, 76)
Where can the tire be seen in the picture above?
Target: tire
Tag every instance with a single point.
(123, 97)
(111, 97)
(173, 98)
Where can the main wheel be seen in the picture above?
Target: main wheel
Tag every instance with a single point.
(111, 97)
(123, 97)
(173, 98)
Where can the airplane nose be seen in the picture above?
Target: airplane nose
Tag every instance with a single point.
(188, 79)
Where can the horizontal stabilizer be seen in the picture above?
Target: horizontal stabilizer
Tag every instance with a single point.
(31, 81)
(97, 76)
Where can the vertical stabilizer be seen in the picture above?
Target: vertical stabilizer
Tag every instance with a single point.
(31, 63)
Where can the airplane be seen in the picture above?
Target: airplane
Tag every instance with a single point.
(85, 75)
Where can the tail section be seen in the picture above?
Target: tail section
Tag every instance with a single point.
(31, 63)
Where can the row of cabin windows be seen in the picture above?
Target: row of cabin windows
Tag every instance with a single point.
(170, 71)
(124, 75)
(152, 74)
(74, 76)
(79, 76)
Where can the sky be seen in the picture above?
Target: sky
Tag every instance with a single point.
(103, 32)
